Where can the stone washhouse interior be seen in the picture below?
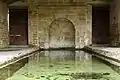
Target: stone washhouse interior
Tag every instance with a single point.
(59, 40)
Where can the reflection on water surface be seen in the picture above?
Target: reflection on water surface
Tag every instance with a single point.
(64, 65)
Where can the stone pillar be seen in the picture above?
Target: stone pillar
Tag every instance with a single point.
(4, 41)
(115, 23)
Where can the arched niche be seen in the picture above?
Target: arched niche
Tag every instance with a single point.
(61, 33)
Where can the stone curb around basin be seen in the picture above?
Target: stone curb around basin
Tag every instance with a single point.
(23, 54)
(102, 54)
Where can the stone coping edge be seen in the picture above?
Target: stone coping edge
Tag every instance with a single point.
(16, 59)
(102, 54)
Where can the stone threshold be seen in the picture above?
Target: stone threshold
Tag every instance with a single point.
(109, 54)
(11, 56)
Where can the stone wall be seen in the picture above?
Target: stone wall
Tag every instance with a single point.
(61, 33)
(3, 25)
(43, 12)
(41, 17)
(115, 23)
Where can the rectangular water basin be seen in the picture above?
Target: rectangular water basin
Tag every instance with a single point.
(63, 65)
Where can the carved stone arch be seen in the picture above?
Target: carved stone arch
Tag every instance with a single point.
(61, 33)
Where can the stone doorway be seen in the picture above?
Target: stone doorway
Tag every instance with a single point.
(18, 26)
(61, 33)
(100, 24)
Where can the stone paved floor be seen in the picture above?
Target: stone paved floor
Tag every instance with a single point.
(8, 54)
(109, 49)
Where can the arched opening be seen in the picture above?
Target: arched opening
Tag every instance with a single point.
(100, 24)
(61, 33)
(18, 23)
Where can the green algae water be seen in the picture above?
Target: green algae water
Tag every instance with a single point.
(64, 65)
